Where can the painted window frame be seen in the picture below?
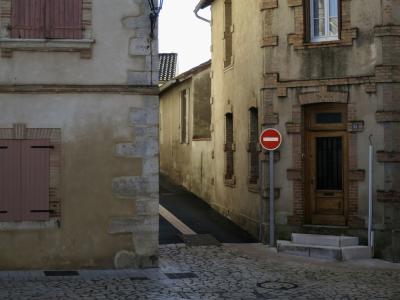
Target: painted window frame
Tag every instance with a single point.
(327, 17)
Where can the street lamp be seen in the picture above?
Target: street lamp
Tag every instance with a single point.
(155, 8)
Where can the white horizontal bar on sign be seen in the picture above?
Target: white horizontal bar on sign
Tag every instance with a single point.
(270, 139)
(174, 221)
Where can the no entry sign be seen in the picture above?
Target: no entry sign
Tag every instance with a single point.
(270, 139)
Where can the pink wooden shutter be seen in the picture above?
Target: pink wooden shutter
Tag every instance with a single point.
(28, 19)
(35, 179)
(10, 196)
(64, 19)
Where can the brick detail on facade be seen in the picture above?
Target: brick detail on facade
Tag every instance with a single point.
(387, 116)
(297, 38)
(20, 131)
(323, 96)
(293, 128)
(387, 30)
(269, 117)
(388, 157)
(270, 41)
(294, 174)
(268, 4)
(357, 175)
(388, 196)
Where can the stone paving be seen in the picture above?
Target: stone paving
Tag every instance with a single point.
(249, 271)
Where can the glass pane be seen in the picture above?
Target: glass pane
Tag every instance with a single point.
(328, 118)
(333, 26)
(333, 8)
(319, 8)
(329, 163)
(319, 27)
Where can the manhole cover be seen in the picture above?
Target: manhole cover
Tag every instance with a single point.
(276, 285)
(180, 275)
(61, 273)
(200, 240)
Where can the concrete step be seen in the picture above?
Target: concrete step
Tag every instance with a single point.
(356, 252)
(324, 252)
(324, 240)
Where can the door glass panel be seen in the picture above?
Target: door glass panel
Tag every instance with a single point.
(329, 163)
(328, 118)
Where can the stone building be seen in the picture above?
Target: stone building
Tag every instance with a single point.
(78, 134)
(185, 137)
(326, 74)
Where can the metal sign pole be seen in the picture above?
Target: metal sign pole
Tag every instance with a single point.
(262, 210)
(271, 200)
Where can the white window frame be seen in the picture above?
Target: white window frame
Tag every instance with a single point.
(327, 18)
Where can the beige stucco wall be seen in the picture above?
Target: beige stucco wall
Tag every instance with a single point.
(93, 128)
(236, 89)
(109, 144)
(192, 164)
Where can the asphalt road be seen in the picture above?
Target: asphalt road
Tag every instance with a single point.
(197, 215)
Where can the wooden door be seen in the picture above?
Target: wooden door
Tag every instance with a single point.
(326, 164)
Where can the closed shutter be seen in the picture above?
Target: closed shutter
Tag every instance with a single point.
(64, 19)
(28, 21)
(35, 179)
(10, 196)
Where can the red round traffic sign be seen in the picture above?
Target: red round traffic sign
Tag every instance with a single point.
(270, 139)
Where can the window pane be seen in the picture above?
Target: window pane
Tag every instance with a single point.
(328, 118)
(319, 27)
(333, 8)
(333, 26)
(319, 8)
(329, 163)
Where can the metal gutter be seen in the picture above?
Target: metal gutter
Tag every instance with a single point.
(202, 4)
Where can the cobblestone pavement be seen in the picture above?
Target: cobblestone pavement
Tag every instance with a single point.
(249, 271)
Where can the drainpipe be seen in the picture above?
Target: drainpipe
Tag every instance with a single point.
(196, 12)
(370, 195)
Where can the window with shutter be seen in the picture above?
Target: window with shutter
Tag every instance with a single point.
(53, 19)
(64, 19)
(35, 177)
(28, 19)
(10, 176)
(24, 180)
(229, 169)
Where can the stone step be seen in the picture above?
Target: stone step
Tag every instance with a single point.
(324, 252)
(356, 252)
(324, 240)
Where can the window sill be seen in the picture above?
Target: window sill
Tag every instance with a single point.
(231, 182)
(53, 223)
(321, 44)
(84, 46)
(253, 187)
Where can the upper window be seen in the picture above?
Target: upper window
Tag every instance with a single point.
(324, 21)
(228, 30)
(41, 19)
